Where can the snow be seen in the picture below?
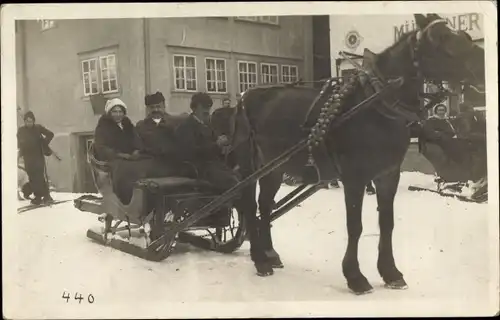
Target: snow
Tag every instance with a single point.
(441, 245)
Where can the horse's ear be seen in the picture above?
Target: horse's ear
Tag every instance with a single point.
(421, 21)
(431, 17)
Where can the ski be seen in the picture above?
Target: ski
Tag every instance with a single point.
(444, 194)
(35, 206)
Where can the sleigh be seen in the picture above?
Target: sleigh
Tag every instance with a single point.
(156, 204)
(452, 176)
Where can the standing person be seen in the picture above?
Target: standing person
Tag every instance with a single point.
(33, 144)
(226, 103)
(200, 146)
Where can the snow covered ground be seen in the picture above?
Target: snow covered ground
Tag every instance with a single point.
(442, 246)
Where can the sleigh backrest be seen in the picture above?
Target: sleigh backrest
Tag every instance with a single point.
(101, 171)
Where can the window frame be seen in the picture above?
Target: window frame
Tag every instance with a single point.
(99, 79)
(82, 61)
(262, 64)
(247, 62)
(106, 56)
(216, 75)
(290, 67)
(184, 72)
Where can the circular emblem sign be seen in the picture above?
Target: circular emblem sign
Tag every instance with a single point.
(352, 39)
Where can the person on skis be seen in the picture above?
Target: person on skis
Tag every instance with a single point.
(33, 145)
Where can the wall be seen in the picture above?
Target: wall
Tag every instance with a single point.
(54, 89)
(289, 42)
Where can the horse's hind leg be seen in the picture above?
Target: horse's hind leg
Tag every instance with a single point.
(269, 186)
(354, 191)
(386, 190)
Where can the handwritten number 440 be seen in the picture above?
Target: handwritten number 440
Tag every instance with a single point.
(78, 296)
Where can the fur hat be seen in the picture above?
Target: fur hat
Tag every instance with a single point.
(201, 98)
(154, 98)
(110, 104)
(29, 115)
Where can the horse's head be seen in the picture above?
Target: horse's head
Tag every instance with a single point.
(441, 53)
(221, 121)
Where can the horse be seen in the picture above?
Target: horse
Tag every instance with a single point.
(369, 146)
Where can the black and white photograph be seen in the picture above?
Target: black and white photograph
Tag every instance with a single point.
(250, 159)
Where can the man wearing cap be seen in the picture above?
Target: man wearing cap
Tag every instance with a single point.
(33, 144)
(158, 139)
(199, 145)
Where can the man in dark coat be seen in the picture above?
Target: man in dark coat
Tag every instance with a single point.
(158, 139)
(199, 145)
(33, 144)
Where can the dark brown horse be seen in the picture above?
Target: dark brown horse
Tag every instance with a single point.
(370, 145)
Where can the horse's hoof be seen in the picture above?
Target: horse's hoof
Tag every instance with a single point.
(360, 293)
(361, 288)
(399, 284)
(276, 263)
(264, 270)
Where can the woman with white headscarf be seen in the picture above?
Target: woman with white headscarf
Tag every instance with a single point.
(116, 142)
(115, 135)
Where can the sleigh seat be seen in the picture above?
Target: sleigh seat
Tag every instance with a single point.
(148, 194)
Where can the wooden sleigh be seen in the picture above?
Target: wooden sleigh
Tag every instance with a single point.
(157, 203)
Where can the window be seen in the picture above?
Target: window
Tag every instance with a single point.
(262, 19)
(90, 81)
(289, 74)
(185, 73)
(99, 75)
(88, 143)
(47, 24)
(247, 72)
(108, 74)
(216, 75)
(268, 73)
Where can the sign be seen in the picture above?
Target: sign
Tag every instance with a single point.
(468, 22)
(352, 39)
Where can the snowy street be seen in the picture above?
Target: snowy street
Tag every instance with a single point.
(441, 246)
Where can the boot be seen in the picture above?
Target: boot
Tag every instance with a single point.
(48, 199)
(37, 201)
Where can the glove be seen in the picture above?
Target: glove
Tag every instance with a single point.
(222, 141)
(124, 156)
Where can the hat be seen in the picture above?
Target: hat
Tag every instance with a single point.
(201, 98)
(110, 104)
(154, 98)
(29, 115)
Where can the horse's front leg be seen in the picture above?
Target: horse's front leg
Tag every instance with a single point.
(354, 191)
(248, 205)
(387, 186)
(269, 186)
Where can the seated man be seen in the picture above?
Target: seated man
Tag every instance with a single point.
(199, 145)
(157, 136)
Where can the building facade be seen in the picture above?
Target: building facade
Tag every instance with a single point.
(66, 69)
(352, 34)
